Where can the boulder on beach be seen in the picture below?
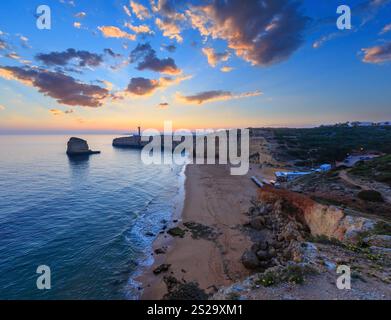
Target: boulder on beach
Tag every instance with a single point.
(77, 146)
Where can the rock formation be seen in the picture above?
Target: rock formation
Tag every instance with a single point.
(79, 147)
(322, 220)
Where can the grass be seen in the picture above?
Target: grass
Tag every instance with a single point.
(332, 143)
(378, 169)
(293, 274)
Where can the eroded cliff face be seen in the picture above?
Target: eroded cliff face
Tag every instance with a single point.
(321, 220)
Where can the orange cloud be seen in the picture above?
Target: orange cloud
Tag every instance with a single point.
(214, 95)
(114, 32)
(139, 29)
(226, 69)
(378, 54)
(143, 87)
(170, 29)
(139, 10)
(213, 57)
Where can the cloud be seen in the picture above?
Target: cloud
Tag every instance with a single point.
(213, 57)
(170, 28)
(378, 54)
(80, 15)
(114, 32)
(65, 89)
(320, 42)
(142, 86)
(68, 2)
(261, 32)
(167, 8)
(13, 55)
(226, 69)
(170, 21)
(369, 9)
(84, 58)
(139, 29)
(77, 25)
(146, 87)
(214, 95)
(127, 11)
(170, 48)
(3, 45)
(112, 53)
(57, 112)
(139, 10)
(386, 29)
(147, 60)
(163, 105)
(2, 107)
(24, 41)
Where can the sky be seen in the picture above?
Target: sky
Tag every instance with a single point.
(113, 65)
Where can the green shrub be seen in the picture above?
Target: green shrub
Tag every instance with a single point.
(370, 195)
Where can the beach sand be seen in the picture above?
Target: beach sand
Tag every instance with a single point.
(218, 200)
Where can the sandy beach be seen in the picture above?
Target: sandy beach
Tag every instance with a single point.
(215, 199)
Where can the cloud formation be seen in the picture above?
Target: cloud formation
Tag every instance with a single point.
(261, 32)
(215, 57)
(163, 105)
(170, 21)
(57, 112)
(170, 28)
(80, 15)
(146, 87)
(111, 53)
(226, 69)
(83, 58)
(387, 28)
(143, 28)
(2, 107)
(142, 86)
(147, 60)
(320, 42)
(127, 11)
(214, 95)
(114, 32)
(139, 10)
(3, 45)
(65, 89)
(170, 47)
(378, 54)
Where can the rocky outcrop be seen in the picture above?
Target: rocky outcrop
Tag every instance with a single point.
(322, 220)
(378, 241)
(79, 147)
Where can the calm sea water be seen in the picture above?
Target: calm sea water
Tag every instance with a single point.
(87, 220)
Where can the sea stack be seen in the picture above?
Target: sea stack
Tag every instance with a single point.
(79, 147)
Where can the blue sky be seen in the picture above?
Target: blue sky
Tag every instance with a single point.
(261, 63)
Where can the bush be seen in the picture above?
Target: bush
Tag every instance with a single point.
(370, 195)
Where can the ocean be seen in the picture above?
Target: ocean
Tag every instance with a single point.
(91, 221)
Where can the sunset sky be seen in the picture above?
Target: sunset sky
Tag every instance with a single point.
(109, 66)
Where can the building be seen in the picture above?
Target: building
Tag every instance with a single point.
(325, 167)
(282, 176)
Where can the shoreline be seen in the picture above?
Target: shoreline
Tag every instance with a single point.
(215, 200)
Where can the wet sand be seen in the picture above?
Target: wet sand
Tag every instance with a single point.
(218, 200)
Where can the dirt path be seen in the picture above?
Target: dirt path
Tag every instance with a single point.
(365, 185)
